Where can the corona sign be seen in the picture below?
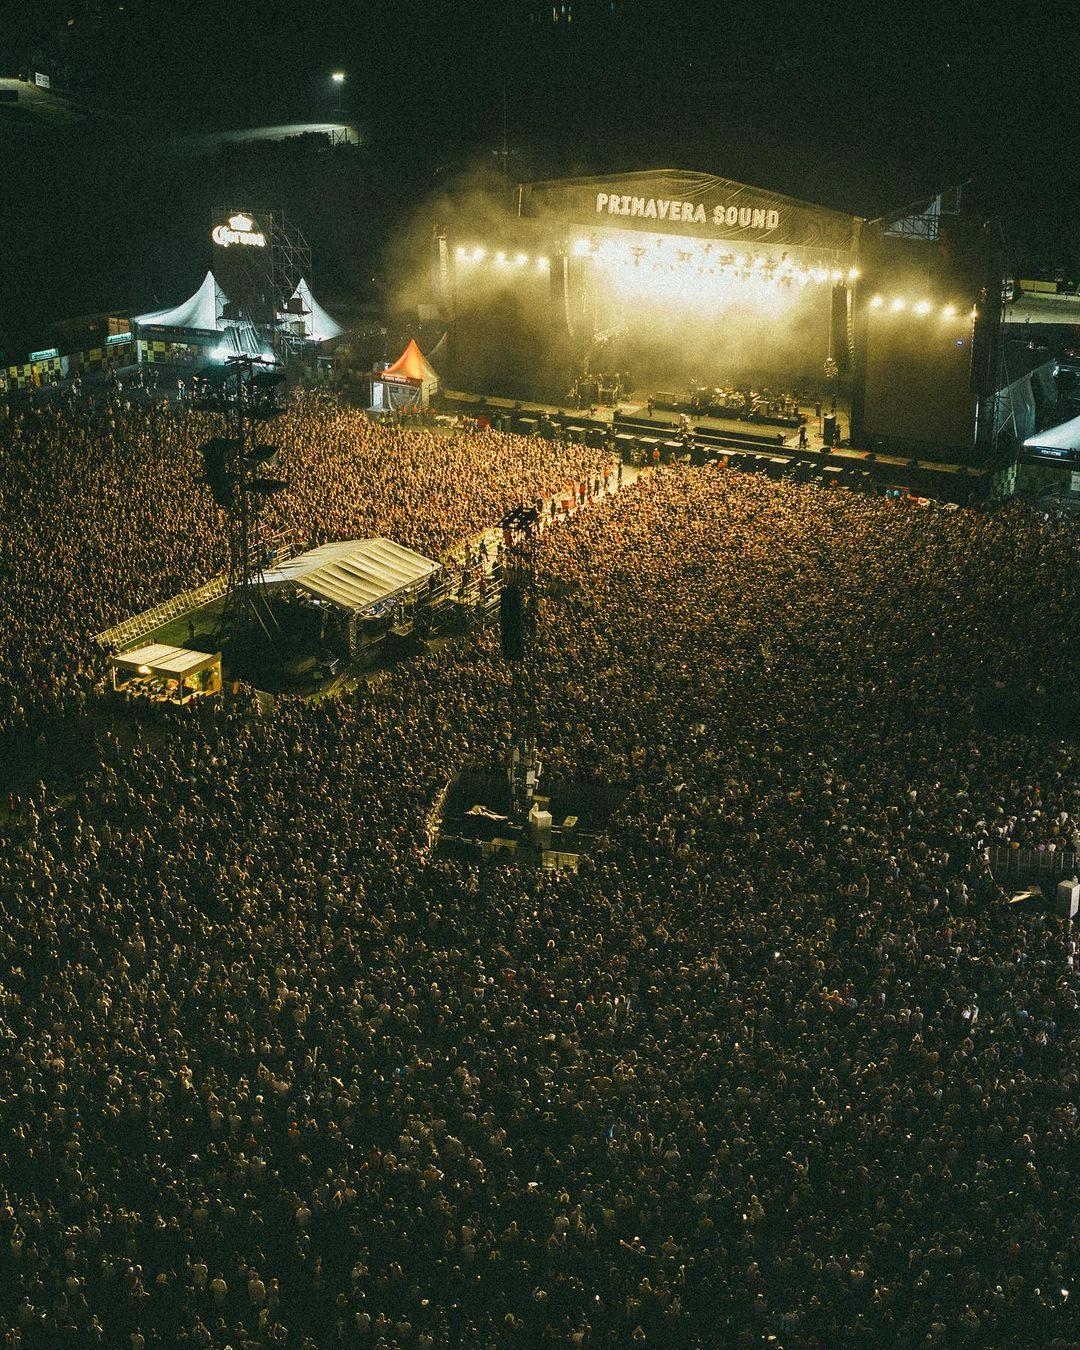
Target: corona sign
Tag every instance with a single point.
(239, 230)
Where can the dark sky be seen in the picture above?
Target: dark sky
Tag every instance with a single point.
(857, 106)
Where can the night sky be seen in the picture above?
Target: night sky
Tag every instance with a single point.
(853, 106)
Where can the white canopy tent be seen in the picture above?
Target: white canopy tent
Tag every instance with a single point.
(355, 580)
(313, 323)
(1061, 442)
(200, 311)
(361, 575)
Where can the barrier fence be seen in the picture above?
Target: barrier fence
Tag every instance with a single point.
(1050, 864)
(128, 632)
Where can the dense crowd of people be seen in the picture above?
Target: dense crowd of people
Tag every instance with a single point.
(777, 1065)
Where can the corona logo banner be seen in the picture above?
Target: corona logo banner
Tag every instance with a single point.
(239, 230)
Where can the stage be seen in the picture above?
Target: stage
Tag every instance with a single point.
(736, 440)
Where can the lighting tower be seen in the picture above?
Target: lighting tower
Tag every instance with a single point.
(518, 606)
(337, 78)
(245, 392)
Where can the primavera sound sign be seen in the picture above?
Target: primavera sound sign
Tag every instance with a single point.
(239, 230)
(671, 209)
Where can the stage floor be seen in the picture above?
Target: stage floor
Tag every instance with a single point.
(784, 437)
(924, 477)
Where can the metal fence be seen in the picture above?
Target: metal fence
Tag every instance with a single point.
(128, 632)
(1032, 862)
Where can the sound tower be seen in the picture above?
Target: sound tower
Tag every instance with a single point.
(559, 278)
(840, 329)
(512, 622)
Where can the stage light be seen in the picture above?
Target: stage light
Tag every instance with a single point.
(521, 259)
(479, 254)
(500, 257)
(923, 307)
(853, 274)
(898, 304)
(543, 264)
(876, 302)
(338, 77)
(836, 275)
(949, 311)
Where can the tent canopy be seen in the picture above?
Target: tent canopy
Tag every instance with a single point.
(318, 325)
(356, 574)
(199, 311)
(1064, 439)
(413, 365)
(168, 663)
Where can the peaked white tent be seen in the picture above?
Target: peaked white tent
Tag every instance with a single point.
(314, 323)
(200, 311)
(1062, 442)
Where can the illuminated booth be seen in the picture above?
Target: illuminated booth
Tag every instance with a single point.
(409, 383)
(159, 673)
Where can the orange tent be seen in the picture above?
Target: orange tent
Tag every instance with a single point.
(411, 371)
(412, 364)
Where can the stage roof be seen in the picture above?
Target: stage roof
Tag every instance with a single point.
(679, 201)
(1065, 438)
(356, 574)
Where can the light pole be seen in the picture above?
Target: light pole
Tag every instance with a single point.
(338, 78)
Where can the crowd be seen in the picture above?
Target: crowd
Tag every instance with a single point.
(777, 1065)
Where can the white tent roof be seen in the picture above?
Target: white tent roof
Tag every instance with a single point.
(355, 574)
(319, 326)
(200, 311)
(160, 659)
(1063, 438)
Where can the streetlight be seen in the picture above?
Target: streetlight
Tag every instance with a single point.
(338, 77)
